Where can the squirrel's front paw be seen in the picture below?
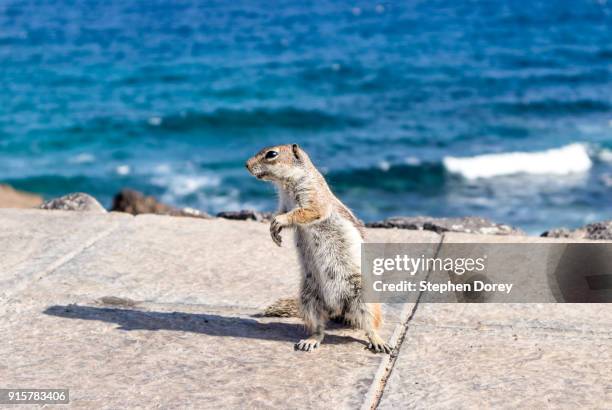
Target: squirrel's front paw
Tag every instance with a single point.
(275, 228)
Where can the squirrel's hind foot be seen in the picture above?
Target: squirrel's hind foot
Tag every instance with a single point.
(307, 345)
(380, 348)
(378, 345)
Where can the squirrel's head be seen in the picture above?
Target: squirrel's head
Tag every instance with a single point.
(279, 163)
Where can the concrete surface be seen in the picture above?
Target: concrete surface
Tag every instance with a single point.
(156, 311)
(511, 355)
(163, 312)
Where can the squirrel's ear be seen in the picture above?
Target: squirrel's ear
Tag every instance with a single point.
(297, 152)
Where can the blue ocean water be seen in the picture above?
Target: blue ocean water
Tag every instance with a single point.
(171, 97)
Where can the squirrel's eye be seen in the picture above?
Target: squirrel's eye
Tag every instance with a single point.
(271, 154)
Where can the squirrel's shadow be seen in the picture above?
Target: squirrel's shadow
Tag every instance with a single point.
(208, 324)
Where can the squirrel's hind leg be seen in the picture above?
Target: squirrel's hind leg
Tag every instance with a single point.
(314, 319)
(368, 316)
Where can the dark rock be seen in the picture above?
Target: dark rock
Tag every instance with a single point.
(469, 224)
(135, 203)
(558, 233)
(12, 198)
(77, 201)
(599, 230)
(595, 231)
(246, 215)
(401, 222)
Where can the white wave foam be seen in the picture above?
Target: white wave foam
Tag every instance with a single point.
(83, 158)
(413, 161)
(605, 155)
(183, 185)
(559, 161)
(123, 170)
(384, 166)
(162, 169)
(155, 121)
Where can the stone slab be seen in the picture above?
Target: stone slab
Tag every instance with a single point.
(162, 312)
(192, 261)
(181, 260)
(507, 368)
(574, 317)
(35, 242)
(180, 356)
(510, 355)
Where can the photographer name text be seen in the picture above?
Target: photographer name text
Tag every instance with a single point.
(425, 286)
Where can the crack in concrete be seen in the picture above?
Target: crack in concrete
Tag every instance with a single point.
(374, 395)
(72, 255)
(23, 284)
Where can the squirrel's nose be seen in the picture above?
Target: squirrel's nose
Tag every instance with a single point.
(246, 164)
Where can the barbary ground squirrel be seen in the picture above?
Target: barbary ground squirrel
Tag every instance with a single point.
(328, 238)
